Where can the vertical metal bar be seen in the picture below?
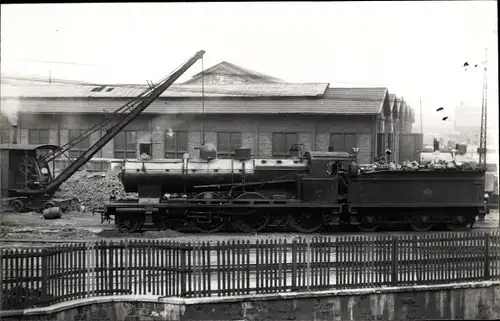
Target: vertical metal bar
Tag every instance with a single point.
(394, 260)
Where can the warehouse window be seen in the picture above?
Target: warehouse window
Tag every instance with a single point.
(125, 145)
(4, 136)
(38, 136)
(176, 144)
(282, 143)
(81, 147)
(343, 142)
(227, 143)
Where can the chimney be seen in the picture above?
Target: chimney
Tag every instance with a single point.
(13, 138)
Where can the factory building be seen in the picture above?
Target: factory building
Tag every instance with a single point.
(236, 108)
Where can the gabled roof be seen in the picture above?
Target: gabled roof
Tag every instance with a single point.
(368, 101)
(175, 91)
(335, 101)
(392, 100)
(234, 70)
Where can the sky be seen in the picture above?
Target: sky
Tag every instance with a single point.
(416, 49)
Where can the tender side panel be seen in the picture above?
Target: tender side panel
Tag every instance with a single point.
(422, 189)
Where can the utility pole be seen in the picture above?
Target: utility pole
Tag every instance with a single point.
(421, 118)
(484, 113)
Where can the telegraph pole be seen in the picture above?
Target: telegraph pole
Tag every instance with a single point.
(421, 118)
(484, 113)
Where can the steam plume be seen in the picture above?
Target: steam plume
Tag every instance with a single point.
(11, 107)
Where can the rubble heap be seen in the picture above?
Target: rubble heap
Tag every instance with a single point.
(415, 166)
(94, 189)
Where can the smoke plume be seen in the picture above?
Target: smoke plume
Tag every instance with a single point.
(11, 107)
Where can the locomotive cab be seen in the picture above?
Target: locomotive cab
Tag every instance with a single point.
(328, 176)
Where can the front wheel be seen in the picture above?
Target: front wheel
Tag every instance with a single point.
(17, 206)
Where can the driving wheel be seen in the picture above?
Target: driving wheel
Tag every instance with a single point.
(254, 221)
(208, 221)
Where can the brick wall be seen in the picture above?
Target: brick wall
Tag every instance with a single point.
(257, 130)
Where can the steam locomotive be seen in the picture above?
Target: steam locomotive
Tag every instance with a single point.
(305, 192)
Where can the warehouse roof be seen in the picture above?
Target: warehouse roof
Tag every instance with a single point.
(226, 68)
(175, 91)
(353, 101)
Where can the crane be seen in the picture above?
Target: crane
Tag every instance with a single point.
(125, 114)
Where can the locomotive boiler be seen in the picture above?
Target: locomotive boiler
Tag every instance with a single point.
(209, 173)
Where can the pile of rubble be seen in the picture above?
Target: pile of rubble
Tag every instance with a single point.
(94, 189)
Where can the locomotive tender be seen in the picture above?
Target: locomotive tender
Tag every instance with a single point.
(304, 192)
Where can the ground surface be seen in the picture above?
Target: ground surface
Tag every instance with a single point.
(82, 226)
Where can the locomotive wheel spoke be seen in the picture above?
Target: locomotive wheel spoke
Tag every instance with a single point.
(305, 222)
(208, 223)
(251, 223)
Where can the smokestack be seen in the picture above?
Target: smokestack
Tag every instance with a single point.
(13, 138)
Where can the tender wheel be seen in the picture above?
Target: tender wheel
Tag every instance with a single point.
(457, 227)
(367, 225)
(460, 224)
(422, 224)
(252, 222)
(128, 225)
(17, 206)
(305, 222)
(421, 227)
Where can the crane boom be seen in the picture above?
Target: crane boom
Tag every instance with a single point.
(140, 105)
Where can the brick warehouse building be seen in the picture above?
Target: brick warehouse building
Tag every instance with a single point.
(240, 108)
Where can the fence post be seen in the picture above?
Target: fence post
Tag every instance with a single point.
(183, 269)
(45, 267)
(294, 264)
(394, 261)
(2, 265)
(487, 256)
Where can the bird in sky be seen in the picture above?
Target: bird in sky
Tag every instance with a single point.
(445, 118)
(440, 108)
